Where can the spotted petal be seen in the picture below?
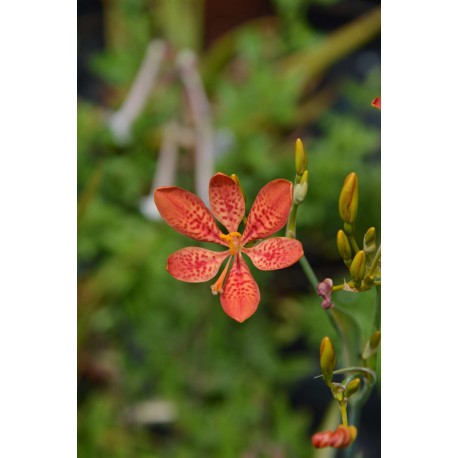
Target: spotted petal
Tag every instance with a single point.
(226, 201)
(240, 297)
(270, 210)
(194, 264)
(187, 214)
(275, 253)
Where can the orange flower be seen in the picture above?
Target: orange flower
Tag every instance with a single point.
(188, 215)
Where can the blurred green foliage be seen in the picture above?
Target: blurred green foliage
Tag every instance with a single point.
(143, 335)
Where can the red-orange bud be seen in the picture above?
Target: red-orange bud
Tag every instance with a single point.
(342, 437)
(322, 439)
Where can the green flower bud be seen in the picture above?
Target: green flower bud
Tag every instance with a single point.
(375, 339)
(301, 158)
(352, 387)
(358, 266)
(372, 345)
(369, 241)
(301, 188)
(348, 201)
(327, 359)
(343, 245)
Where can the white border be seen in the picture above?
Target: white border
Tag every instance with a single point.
(38, 229)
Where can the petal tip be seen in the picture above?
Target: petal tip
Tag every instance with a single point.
(240, 318)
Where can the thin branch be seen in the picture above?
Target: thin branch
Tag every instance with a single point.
(121, 121)
(201, 115)
(165, 170)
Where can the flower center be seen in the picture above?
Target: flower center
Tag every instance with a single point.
(233, 240)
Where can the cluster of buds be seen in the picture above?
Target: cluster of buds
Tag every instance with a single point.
(344, 435)
(363, 264)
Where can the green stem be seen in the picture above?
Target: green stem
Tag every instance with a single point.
(355, 411)
(353, 243)
(343, 411)
(291, 224)
(355, 371)
(378, 308)
(342, 320)
(310, 274)
(355, 414)
(339, 318)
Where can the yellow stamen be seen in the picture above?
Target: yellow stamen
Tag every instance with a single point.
(233, 240)
(217, 287)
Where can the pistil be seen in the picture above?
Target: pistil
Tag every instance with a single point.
(217, 287)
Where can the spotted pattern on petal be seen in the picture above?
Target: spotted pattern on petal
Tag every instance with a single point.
(275, 253)
(187, 214)
(226, 201)
(270, 210)
(194, 264)
(241, 295)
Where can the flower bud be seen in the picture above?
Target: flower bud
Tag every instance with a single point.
(322, 439)
(348, 201)
(324, 289)
(372, 345)
(369, 241)
(374, 341)
(358, 266)
(343, 245)
(301, 158)
(353, 433)
(301, 188)
(327, 359)
(351, 387)
(342, 437)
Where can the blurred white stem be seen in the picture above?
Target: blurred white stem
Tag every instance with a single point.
(168, 155)
(166, 168)
(200, 111)
(121, 121)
